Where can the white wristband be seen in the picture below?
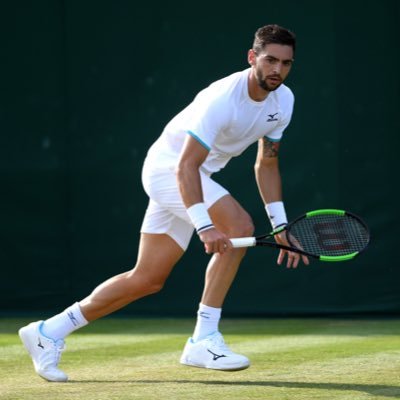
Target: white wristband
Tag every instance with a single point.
(276, 214)
(200, 218)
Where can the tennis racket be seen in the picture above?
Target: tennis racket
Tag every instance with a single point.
(327, 235)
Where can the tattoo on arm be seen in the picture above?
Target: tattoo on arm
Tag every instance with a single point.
(270, 149)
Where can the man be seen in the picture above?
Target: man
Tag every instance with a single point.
(221, 122)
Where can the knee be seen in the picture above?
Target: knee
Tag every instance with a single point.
(152, 287)
(248, 227)
(242, 227)
(145, 284)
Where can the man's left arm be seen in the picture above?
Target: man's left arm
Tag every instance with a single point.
(269, 184)
(267, 172)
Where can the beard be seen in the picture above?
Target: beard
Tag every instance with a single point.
(262, 82)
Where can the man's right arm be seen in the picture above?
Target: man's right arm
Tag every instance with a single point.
(189, 183)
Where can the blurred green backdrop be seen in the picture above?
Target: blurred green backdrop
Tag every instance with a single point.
(86, 88)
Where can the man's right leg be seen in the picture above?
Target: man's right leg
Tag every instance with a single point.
(158, 254)
(44, 340)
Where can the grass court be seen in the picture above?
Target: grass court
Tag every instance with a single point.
(116, 359)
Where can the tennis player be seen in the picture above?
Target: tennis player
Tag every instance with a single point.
(221, 122)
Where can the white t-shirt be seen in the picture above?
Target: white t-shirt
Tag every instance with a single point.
(225, 120)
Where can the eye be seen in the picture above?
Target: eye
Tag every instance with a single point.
(271, 60)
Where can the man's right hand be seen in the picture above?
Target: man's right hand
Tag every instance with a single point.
(215, 241)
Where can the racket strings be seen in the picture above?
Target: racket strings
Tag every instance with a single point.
(329, 235)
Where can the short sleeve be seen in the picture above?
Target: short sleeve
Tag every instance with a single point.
(208, 118)
(286, 101)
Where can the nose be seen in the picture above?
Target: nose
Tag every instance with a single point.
(277, 68)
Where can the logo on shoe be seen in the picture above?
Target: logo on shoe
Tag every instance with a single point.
(40, 344)
(216, 356)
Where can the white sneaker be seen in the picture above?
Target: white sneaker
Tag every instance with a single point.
(213, 353)
(45, 352)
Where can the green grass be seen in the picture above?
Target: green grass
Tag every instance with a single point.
(114, 359)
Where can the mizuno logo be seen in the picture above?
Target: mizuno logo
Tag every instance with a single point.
(40, 344)
(216, 356)
(271, 117)
(72, 318)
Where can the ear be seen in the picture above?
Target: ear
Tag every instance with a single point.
(251, 57)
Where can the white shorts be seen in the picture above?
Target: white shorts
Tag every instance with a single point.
(166, 212)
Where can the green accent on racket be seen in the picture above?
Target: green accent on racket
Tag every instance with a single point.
(338, 258)
(328, 211)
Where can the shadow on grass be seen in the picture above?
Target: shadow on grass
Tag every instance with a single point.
(377, 390)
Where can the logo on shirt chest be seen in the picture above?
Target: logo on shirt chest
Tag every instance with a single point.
(272, 117)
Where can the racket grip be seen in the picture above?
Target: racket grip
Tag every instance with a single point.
(243, 242)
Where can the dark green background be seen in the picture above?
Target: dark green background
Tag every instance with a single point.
(87, 86)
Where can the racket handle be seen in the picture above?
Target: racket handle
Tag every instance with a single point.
(243, 242)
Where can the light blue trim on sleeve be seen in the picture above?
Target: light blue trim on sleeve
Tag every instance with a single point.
(194, 136)
(272, 140)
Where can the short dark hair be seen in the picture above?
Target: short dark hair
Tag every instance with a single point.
(269, 34)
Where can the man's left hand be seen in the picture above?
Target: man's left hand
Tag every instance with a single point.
(293, 258)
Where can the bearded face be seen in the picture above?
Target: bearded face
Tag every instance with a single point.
(272, 65)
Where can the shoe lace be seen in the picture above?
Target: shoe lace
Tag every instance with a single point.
(219, 343)
(52, 357)
(59, 348)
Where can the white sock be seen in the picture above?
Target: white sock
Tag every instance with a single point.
(207, 322)
(61, 325)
